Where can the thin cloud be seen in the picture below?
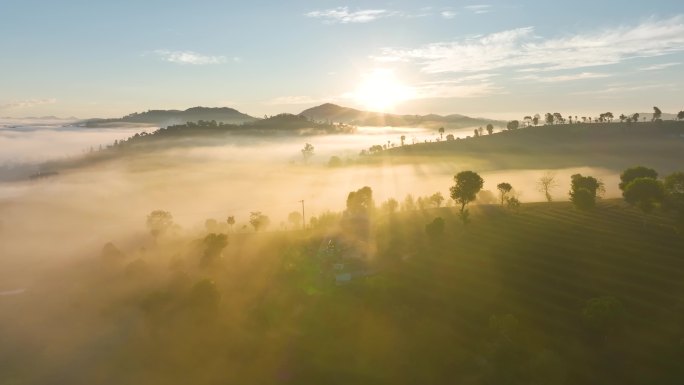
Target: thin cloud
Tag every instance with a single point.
(564, 78)
(343, 15)
(615, 91)
(190, 57)
(521, 48)
(27, 103)
(448, 14)
(658, 67)
(479, 8)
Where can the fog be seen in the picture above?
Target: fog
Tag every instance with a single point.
(67, 307)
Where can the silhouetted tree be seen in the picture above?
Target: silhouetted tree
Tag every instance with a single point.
(490, 129)
(435, 229)
(635, 117)
(547, 183)
(389, 206)
(159, 221)
(307, 152)
(535, 119)
(636, 172)
(656, 113)
(468, 184)
(476, 133)
(558, 117)
(403, 138)
(480, 130)
(213, 246)
(441, 132)
(360, 201)
(548, 117)
(584, 190)
(644, 193)
(527, 120)
(258, 220)
(450, 137)
(513, 125)
(230, 221)
(436, 199)
(504, 189)
(335, 161)
(680, 115)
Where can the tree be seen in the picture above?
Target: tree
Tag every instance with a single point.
(468, 184)
(644, 193)
(334, 161)
(504, 189)
(480, 130)
(390, 206)
(656, 113)
(513, 125)
(450, 137)
(159, 221)
(441, 132)
(680, 115)
(360, 201)
(213, 246)
(636, 172)
(403, 138)
(307, 152)
(528, 120)
(231, 222)
(635, 117)
(547, 183)
(558, 117)
(476, 133)
(436, 199)
(258, 220)
(548, 117)
(490, 129)
(674, 184)
(535, 119)
(584, 190)
(295, 218)
(435, 228)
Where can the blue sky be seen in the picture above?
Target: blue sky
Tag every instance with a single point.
(485, 58)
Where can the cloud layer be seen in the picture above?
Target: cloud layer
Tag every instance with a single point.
(343, 15)
(522, 49)
(26, 103)
(189, 57)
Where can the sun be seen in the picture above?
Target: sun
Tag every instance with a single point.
(381, 91)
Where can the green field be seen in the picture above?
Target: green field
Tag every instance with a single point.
(499, 301)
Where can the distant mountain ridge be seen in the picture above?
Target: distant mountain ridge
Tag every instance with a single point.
(334, 113)
(165, 118)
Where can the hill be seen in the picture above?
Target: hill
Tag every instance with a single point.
(544, 294)
(163, 118)
(334, 113)
(610, 145)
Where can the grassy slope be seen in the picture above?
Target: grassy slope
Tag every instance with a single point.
(612, 145)
(425, 319)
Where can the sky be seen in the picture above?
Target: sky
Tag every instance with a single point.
(498, 59)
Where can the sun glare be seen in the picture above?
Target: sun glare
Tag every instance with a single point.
(381, 91)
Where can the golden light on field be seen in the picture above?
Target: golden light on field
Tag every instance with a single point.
(381, 91)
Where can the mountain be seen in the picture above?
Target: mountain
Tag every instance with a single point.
(165, 118)
(334, 113)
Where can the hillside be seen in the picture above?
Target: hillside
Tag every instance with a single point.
(507, 299)
(163, 118)
(334, 113)
(610, 145)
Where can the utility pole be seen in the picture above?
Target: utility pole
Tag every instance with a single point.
(303, 217)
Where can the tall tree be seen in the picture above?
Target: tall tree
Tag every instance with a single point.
(307, 151)
(468, 184)
(547, 183)
(490, 129)
(656, 113)
(680, 115)
(513, 125)
(535, 119)
(636, 172)
(584, 190)
(644, 193)
(441, 132)
(548, 117)
(504, 189)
